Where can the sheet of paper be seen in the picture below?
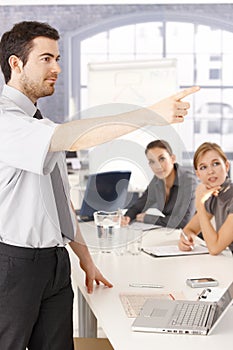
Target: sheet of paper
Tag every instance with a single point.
(136, 225)
(173, 250)
(155, 212)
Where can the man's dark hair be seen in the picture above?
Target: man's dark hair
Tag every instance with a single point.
(18, 42)
(159, 144)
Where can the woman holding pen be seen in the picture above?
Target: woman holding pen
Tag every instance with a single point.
(214, 199)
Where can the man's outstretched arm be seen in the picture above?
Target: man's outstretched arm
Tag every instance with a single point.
(85, 133)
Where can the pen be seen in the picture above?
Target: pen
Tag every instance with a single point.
(145, 285)
(186, 238)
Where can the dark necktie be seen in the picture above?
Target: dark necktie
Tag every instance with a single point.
(63, 211)
(38, 115)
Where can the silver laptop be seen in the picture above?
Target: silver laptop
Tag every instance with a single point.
(182, 316)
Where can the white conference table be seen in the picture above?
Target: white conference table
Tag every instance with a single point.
(104, 305)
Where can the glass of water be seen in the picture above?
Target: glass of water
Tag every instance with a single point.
(108, 229)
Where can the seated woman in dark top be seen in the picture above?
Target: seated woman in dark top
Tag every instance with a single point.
(171, 191)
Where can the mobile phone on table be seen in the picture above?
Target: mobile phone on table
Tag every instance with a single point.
(202, 282)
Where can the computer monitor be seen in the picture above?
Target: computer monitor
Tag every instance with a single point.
(105, 191)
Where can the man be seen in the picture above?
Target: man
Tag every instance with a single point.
(35, 290)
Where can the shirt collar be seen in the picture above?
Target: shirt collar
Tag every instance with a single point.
(21, 100)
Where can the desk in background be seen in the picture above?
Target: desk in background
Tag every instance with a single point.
(104, 305)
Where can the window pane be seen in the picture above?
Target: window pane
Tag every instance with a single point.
(208, 40)
(227, 69)
(214, 127)
(185, 68)
(215, 73)
(227, 96)
(209, 115)
(209, 71)
(95, 44)
(180, 37)
(227, 127)
(186, 133)
(122, 39)
(204, 98)
(197, 126)
(149, 38)
(227, 42)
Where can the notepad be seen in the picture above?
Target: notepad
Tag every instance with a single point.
(173, 250)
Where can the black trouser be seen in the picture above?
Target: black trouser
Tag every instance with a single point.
(36, 299)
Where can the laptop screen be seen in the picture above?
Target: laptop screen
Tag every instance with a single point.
(105, 191)
(223, 302)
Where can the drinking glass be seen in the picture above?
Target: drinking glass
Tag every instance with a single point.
(108, 229)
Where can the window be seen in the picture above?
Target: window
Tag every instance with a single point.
(203, 57)
(215, 73)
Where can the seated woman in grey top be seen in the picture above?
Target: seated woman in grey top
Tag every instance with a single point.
(214, 199)
(171, 190)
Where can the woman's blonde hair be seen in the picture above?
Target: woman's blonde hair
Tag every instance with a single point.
(205, 147)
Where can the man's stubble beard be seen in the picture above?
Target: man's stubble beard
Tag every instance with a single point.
(33, 91)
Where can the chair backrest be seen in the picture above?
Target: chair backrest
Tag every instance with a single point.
(105, 191)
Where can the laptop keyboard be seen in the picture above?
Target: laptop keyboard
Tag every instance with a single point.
(190, 314)
(133, 303)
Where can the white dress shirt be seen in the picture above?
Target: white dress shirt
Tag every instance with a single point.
(28, 214)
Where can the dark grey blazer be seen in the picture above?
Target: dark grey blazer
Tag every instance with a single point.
(180, 206)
